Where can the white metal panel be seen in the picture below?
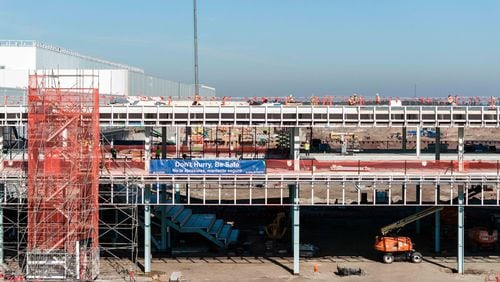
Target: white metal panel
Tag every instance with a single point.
(18, 58)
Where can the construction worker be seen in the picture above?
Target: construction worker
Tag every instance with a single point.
(314, 100)
(197, 99)
(492, 102)
(450, 101)
(353, 100)
(157, 152)
(113, 153)
(307, 148)
(377, 99)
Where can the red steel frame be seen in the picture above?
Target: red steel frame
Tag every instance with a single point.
(63, 175)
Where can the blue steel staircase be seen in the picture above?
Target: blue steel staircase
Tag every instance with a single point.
(215, 230)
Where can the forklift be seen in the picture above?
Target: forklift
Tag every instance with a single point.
(398, 247)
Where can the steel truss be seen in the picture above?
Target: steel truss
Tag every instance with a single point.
(127, 192)
(285, 116)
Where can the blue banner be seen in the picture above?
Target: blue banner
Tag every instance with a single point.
(208, 166)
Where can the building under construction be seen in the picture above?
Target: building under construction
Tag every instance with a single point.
(74, 193)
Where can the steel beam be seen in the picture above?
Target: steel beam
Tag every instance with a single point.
(418, 141)
(460, 149)
(437, 223)
(438, 144)
(294, 197)
(460, 235)
(147, 148)
(417, 209)
(147, 229)
(164, 230)
(404, 139)
(295, 147)
(163, 142)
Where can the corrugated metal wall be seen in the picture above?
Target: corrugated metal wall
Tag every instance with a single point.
(139, 84)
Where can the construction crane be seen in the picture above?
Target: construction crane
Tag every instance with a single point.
(397, 246)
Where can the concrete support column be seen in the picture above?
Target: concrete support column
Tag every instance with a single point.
(460, 149)
(438, 143)
(294, 196)
(147, 148)
(418, 141)
(437, 223)
(295, 147)
(164, 142)
(460, 235)
(404, 139)
(147, 229)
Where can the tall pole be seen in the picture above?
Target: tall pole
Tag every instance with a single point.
(196, 78)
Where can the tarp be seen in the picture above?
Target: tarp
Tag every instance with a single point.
(207, 167)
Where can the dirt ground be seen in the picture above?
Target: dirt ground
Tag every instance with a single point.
(278, 269)
(344, 238)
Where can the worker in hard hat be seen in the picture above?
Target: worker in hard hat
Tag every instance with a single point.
(377, 99)
(307, 148)
(450, 101)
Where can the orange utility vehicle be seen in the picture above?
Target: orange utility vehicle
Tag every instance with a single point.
(397, 247)
(482, 238)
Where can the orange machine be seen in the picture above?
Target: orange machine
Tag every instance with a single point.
(400, 247)
(482, 238)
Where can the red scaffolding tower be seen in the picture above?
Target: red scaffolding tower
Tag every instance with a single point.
(63, 178)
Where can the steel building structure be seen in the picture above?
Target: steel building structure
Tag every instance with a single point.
(19, 58)
(124, 188)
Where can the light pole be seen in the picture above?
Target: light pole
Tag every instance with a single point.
(196, 78)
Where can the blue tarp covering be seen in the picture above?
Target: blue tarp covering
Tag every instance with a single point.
(208, 167)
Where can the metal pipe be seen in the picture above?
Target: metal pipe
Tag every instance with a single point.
(147, 230)
(460, 236)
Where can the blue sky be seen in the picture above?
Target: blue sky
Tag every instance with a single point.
(271, 47)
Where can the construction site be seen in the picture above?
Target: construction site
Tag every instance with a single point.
(95, 189)
(111, 174)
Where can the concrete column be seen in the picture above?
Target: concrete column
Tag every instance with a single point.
(404, 139)
(438, 143)
(295, 147)
(437, 224)
(460, 235)
(147, 148)
(460, 149)
(164, 142)
(418, 141)
(294, 196)
(147, 229)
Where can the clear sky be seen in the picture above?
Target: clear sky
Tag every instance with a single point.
(271, 47)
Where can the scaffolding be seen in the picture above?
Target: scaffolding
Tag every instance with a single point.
(63, 178)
